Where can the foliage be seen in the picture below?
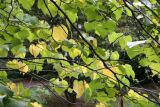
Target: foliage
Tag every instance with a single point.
(83, 43)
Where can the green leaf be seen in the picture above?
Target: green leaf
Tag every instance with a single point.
(153, 1)
(101, 32)
(103, 97)
(5, 91)
(42, 6)
(72, 16)
(129, 71)
(114, 55)
(94, 85)
(91, 13)
(4, 50)
(154, 57)
(118, 13)
(23, 34)
(3, 75)
(123, 41)
(113, 37)
(132, 52)
(101, 51)
(52, 9)
(155, 68)
(110, 25)
(144, 62)
(24, 92)
(90, 25)
(27, 4)
(125, 81)
(11, 102)
(15, 42)
(103, 28)
(111, 92)
(129, 13)
(19, 51)
(60, 86)
(74, 52)
(87, 94)
(2, 41)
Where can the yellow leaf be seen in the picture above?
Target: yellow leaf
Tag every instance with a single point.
(100, 105)
(43, 44)
(83, 69)
(40, 47)
(18, 65)
(94, 76)
(108, 73)
(76, 52)
(79, 87)
(95, 42)
(12, 86)
(35, 104)
(35, 50)
(60, 32)
(23, 67)
(86, 85)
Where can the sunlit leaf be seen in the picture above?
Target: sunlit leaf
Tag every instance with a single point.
(109, 73)
(79, 87)
(118, 13)
(27, 4)
(114, 55)
(74, 52)
(12, 86)
(113, 37)
(35, 49)
(100, 105)
(23, 67)
(132, 52)
(129, 13)
(36, 104)
(60, 32)
(155, 68)
(123, 41)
